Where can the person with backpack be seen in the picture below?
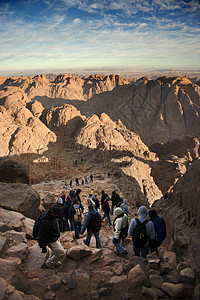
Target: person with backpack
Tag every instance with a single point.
(106, 210)
(77, 196)
(114, 199)
(61, 221)
(76, 215)
(96, 201)
(160, 230)
(103, 197)
(142, 231)
(49, 236)
(120, 225)
(92, 223)
(124, 207)
(66, 207)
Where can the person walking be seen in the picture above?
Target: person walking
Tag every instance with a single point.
(106, 210)
(114, 199)
(96, 201)
(76, 216)
(103, 197)
(124, 207)
(49, 237)
(120, 225)
(92, 223)
(141, 230)
(160, 230)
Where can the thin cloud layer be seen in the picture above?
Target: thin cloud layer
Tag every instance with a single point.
(88, 34)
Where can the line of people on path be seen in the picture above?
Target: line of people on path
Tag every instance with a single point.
(146, 233)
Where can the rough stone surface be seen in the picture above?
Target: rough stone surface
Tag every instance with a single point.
(136, 276)
(174, 290)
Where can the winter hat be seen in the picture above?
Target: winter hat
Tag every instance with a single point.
(142, 211)
(118, 211)
(56, 208)
(60, 200)
(95, 195)
(152, 213)
(125, 201)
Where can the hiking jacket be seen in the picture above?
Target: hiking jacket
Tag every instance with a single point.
(160, 227)
(87, 220)
(149, 227)
(49, 231)
(120, 222)
(124, 207)
(66, 209)
(106, 207)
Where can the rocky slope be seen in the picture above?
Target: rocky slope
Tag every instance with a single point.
(95, 274)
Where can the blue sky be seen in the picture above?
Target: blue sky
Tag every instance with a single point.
(83, 34)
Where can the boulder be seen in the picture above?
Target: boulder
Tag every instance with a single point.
(136, 277)
(13, 172)
(19, 250)
(16, 222)
(174, 290)
(21, 198)
(13, 274)
(78, 252)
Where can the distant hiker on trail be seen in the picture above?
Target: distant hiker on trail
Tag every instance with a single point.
(66, 183)
(141, 230)
(103, 197)
(70, 183)
(76, 215)
(92, 223)
(82, 180)
(60, 218)
(77, 196)
(89, 198)
(108, 174)
(91, 178)
(160, 230)
(106, 210)
(120, 225)
(115, 199)
(124, 207)
(96, 201)
(66, 207)
(86, 181)
(77, 182)
(49, 235)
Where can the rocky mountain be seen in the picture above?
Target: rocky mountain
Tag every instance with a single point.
(158, 110)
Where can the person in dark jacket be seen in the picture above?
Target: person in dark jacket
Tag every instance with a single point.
(90, 230)
(103, 197)
(106, 210)
(96, 201)
(160, 230)
(49, 235)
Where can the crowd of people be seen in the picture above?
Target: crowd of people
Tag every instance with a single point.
(147, 233)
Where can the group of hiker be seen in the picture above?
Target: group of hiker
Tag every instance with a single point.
(147, 233)
(84, 180)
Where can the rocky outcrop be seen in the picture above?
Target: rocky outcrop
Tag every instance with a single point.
(158, 110)
(21, 132)
(181, 212)
(21, 198)
(12, 171)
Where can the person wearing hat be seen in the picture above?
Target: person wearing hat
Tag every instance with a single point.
(160, 230)
(120, 225)
(92, 223)
(138, 224)
(49, 235)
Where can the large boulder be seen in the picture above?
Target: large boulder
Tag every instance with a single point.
(21, 198)
(13, 274)
(12, 171)
(11, 220)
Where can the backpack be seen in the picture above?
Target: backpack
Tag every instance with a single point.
(78, 215)
(139, 237)
(124, 232)
(36, 227)
(95, 224)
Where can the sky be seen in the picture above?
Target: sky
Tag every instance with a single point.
(99, 34)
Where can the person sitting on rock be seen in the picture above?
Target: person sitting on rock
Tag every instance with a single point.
(120, 231)
(49, 235)
(92, 223)
(141, 230)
